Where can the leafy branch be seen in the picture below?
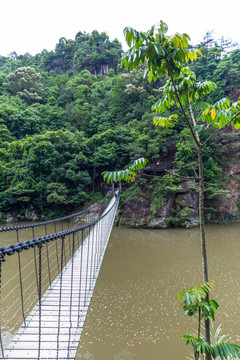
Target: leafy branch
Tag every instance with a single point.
(196, 303)
(128, 174)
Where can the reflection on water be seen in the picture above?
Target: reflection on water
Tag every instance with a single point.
(135, 313)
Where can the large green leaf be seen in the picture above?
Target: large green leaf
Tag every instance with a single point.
(167, 122)
(225, 350)
(127, 174)
(156, 48)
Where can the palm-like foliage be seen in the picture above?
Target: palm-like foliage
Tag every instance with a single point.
(195, 303)
(128, 174)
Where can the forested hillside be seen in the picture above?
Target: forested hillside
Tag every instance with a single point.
(69, 114)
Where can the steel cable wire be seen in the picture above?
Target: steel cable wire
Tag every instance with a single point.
(13, 304)
(17, 300)
(71, 294)
(21, 288)
(91, 257)
(39, 300)
(16, 274)
(86, 278)
(1, 342)
(66, 253)
(80, 213)
(80, 278)
(49, 273)
(12, 278)
(14, 316)
(35, 258)
(60, 298)
(35, 264)
(56, 247)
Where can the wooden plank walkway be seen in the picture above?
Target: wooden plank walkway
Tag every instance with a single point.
(60, 338)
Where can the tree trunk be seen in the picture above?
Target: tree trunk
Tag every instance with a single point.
(203, 239)
(201, 215)
(201, 199)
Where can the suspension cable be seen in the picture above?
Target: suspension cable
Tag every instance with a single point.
(1, 342)
(20, 227)
(92, 237)
(35, 259)
(56, 248)
(86, 279)
(14, 276)
(41, 271)
(80, 278)
(49, 273)
(60, 298)
(71, 294)
(40, 299)
(21, 287)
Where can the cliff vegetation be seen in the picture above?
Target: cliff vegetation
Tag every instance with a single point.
(69, 114)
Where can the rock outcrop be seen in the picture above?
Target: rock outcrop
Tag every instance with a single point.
(136, 212)
(182, 208)
(228, 206)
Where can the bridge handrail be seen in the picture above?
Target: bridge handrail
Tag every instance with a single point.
(19, 247)
(19, 227)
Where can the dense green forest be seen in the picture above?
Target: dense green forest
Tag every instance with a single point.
(69, 114)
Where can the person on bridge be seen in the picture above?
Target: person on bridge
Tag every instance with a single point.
(116, 192)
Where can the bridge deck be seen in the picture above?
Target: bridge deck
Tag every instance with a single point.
(60, 338)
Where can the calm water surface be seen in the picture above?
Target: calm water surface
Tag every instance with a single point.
(135, 313)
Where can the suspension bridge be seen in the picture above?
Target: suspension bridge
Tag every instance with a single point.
(46, 289)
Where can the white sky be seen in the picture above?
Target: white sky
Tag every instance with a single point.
(34, 25)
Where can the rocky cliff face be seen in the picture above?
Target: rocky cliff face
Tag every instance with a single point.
(182, 208)
(228, 206)
(136, 212)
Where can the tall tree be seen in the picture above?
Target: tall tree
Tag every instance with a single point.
(25, 82)
(169, 56)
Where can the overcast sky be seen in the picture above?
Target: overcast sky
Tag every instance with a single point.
(34, 25)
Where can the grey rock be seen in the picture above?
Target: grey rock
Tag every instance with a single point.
(30, 215)
(11, 218)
